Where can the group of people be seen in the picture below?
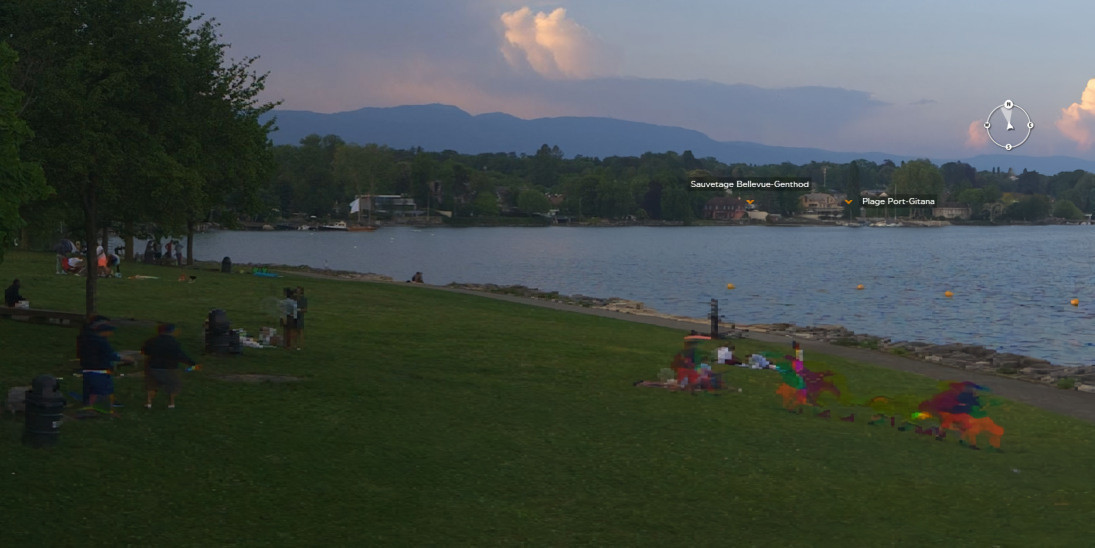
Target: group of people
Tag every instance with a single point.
(161, 353)
(168, 254)
(70, 261)
(294, 305)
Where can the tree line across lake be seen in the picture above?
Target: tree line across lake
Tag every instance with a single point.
(322, 175)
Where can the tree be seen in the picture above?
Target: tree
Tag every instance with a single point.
(958, 176)
(135, 117)
(1030, 208)
(486, 204)
(1067, 210)
(532, 201)
(919, 177)
(20, 182)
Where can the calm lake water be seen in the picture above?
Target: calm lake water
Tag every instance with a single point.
(1011, 285)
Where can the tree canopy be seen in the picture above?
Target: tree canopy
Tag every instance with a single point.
(20, 181)
(138, 117)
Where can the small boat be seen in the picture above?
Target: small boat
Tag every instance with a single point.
(338, 225)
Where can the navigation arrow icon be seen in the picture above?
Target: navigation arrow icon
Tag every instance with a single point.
(849, 202)
(750, 202)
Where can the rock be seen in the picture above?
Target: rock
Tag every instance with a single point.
(1034, 371)
(949, 362)
(1089, 388)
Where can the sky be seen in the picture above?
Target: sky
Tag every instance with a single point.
(911, 78)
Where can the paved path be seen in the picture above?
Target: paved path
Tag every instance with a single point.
(1066, 402)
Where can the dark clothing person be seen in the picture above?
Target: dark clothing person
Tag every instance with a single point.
(165, 352)
(11, 294)
(162, 356)
(97, 358)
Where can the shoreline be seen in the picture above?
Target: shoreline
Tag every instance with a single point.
(607, 223)
(960, 356)
(974, 359)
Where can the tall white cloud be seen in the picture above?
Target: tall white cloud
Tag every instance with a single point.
(976, 136)
(1077, 122)
(553, 46)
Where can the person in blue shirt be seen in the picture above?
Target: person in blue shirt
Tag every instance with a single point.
(162, 357)
(97, 362)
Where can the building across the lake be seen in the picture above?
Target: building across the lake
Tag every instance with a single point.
(724, 208)
(821, 203)
(952, 211)
(384, 204)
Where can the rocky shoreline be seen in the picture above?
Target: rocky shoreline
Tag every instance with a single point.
(959, 356)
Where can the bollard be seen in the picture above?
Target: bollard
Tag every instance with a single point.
(44, 404)
(714, 318)
(226, 265)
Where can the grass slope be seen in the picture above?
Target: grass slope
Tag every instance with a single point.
(432, 418)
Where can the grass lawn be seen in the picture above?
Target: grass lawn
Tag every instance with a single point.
(426, 417)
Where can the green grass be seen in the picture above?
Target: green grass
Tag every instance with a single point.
(431, 418)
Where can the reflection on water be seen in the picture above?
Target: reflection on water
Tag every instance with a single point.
(1011, 285)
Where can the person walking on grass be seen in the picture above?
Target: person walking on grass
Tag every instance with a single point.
(97, 362)
(302, 307)
(163, 353)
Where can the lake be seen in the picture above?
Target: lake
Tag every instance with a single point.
(1011, 285)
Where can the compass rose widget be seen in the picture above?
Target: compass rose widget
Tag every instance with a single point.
(1008, 125)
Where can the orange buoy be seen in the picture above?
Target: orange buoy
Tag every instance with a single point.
(948, 294)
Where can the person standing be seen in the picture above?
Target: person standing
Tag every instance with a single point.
(163, 353)
(302, 307)
(288, 306)
(97, 359)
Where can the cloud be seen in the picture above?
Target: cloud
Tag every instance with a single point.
(1076, 121)
(976, 136)
(552, 45)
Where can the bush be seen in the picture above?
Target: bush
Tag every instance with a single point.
(1066, 383)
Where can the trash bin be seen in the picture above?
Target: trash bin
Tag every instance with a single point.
(44, 404)
(226, 265)
(220, 338)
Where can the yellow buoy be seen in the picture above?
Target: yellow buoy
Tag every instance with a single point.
(948, 294)
(729, 286)
(1075, 302)
(860, 286)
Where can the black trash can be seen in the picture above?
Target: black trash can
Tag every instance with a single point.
(226, 265)
(43, 412)
(220, 338)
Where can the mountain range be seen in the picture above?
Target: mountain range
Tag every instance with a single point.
(439, 127)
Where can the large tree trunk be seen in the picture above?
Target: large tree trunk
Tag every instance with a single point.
(91, 267)
(189, 243)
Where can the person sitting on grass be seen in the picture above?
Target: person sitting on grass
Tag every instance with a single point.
(162, 356)
(11, 294)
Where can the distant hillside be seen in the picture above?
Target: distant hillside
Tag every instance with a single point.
(441, 127)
